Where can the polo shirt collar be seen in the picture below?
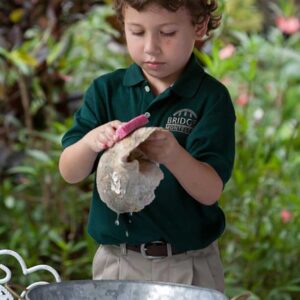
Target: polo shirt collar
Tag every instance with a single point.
(188, 83)
(133, 76)
(185, 86)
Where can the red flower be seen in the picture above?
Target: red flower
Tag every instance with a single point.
(288, 25)
(242, 99)
(286, 216)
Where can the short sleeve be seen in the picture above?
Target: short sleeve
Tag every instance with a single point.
(213, 138)
(90, 115)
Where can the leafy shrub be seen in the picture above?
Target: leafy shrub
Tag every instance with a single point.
(44, 219)
(261, 245)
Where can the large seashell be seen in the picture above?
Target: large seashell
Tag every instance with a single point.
(126, 178)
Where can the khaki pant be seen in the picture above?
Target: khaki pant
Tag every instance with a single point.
(198, 267)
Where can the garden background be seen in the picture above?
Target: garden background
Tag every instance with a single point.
(49, 53)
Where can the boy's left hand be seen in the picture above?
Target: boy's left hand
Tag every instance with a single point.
(161, 147)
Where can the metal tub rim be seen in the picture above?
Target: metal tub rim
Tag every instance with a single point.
(136, 288)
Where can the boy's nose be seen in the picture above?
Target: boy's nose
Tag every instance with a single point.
(152, 45)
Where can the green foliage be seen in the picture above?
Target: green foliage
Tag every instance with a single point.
(88, 49)
(242, 15)
(261, 245)
(44, 219)
(47, 71)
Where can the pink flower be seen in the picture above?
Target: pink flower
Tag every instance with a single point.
(286, 216)
(288, 25)
(227, 52)
(242, 99)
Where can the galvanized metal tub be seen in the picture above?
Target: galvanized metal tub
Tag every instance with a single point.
(121, 290)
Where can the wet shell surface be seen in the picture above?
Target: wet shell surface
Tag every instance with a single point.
(126, 178)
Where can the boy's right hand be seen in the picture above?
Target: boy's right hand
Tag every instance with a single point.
(102, 137)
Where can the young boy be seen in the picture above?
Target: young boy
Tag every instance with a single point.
(174, 238)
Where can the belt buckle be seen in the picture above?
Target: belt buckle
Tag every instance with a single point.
(144, 249)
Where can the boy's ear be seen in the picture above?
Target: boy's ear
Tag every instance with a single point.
(201, 28)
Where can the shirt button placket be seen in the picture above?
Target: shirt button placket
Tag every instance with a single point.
(148, 97)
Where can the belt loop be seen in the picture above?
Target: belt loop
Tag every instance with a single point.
(169, 250)
(123, 249)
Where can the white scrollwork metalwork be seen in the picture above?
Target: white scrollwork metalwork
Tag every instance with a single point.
(4, 293)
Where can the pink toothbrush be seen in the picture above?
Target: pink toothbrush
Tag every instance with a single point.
(132, 125)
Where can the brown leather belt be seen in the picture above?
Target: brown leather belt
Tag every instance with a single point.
(155, 249)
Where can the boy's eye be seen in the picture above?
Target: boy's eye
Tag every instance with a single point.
(140, 33)
(137, 32)
(172, 33)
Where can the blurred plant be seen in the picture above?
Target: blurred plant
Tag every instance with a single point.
(94, 50)
(286, 8)
(50, 65)
(26, 81)
(242, 15)
(261, 245)
(43, 218)
(287, 19)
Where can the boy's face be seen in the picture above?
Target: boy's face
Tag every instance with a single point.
(160, 41)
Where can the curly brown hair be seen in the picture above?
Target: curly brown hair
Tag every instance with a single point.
(199, 9)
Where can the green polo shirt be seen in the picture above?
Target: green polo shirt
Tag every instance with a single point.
(198, 110)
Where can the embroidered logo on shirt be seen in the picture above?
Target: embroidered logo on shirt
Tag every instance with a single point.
(182, 121)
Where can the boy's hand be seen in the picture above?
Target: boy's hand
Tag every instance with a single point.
(102, 137)
(161, 147)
